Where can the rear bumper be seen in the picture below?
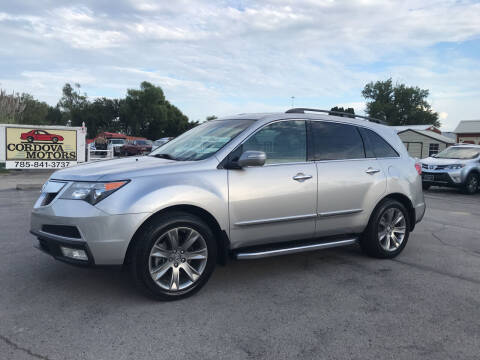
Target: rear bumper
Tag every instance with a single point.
(420, 212)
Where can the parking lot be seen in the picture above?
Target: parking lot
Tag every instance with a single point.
(333, 304)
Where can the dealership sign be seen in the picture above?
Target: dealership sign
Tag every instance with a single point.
(41, 147)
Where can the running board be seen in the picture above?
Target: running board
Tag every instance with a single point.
(294, 249)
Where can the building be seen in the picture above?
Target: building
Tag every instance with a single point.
(423, 141)
(468, 131)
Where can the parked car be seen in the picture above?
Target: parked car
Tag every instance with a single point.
(244, 187)
(40, 135)
(116, 145)
(456, 166)
(160, 142)
(136, 147)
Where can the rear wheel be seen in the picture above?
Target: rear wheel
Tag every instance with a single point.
(387, 231)
(174, 257)
(471, 184)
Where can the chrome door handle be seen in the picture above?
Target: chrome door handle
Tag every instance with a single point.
(301, 177)
(372, 171)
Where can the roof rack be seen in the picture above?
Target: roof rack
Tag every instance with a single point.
(330, 112)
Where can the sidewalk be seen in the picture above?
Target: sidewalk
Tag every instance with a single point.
(24, 179)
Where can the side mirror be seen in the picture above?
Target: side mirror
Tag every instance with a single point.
(252, 158)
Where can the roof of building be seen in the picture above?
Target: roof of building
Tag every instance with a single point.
(433, 135)
(414, 127)
(468, 126)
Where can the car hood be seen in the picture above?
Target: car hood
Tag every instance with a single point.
(120, 169)
(435, 161)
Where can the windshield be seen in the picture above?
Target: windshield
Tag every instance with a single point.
(141, 142)
(202, 141)
(459, 153)
(119, 141)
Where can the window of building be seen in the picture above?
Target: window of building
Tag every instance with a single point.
(282, 142)
(433, 149)
(333, 141)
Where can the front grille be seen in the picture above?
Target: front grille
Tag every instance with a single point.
(62, 230)
(434, 167)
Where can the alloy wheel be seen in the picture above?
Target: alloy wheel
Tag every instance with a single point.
(473, 185)
(178, 258)
(391, 229)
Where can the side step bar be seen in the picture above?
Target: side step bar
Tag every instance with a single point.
(294, 249)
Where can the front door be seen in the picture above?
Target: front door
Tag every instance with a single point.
(275, 202)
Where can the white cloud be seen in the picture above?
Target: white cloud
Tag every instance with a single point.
(213, 57)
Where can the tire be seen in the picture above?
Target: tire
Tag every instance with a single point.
(30, 139)
(426, 186)
(55, 140)
(375, 245)
(471, 184)
(154, 256)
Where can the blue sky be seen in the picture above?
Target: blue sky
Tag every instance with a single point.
(227, 57)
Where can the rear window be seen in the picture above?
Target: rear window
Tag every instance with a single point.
(376, 146)
(333, 141)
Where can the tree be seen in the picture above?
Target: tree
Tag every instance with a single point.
(399, 104)
(35, 112)
(341, 109)
(211, 117)
(11, 107)
(73, 104)
(147, 113)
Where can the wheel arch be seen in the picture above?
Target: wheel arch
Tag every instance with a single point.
(223, 242)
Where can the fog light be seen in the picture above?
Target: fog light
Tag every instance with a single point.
(76, 254)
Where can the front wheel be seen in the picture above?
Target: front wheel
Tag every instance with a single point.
(174, 257)
(387, 231)
(471, 184)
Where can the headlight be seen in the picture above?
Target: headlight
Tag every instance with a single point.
(456, 166)
(91, 192)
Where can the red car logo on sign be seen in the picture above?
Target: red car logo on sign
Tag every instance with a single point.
(40, 135)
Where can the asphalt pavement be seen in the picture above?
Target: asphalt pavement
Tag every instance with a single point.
(331, 304)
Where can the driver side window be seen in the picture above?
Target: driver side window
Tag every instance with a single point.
(282, 142)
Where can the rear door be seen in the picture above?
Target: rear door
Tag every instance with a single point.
(350, 183)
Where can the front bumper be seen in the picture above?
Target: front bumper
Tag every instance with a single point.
(450, 179)
(104, 237)
(51, 244)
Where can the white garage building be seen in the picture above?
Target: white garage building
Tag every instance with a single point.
(422, 141)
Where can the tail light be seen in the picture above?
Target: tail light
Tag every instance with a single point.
(418, 167)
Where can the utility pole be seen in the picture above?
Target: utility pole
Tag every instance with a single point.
(293, 101)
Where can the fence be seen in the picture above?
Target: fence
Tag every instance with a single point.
(97, 155)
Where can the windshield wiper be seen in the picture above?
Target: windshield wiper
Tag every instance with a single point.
(164, 156)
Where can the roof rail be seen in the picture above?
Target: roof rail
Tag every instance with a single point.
(330, 112)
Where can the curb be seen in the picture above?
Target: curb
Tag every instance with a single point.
(29, 186)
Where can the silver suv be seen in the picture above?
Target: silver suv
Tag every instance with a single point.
(457, 166)
(244, 187)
